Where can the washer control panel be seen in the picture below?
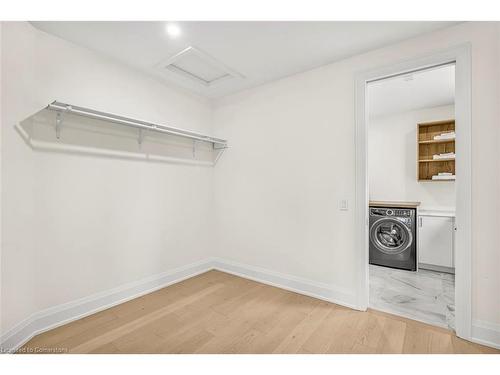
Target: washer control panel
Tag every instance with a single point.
(403, 212)
(397, 212)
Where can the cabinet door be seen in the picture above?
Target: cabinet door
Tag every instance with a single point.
(435, 240)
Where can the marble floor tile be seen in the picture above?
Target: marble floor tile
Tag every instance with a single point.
(427, 296)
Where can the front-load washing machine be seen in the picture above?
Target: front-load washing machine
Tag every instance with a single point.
(393, 241)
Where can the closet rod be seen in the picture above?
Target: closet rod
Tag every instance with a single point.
(86, 112)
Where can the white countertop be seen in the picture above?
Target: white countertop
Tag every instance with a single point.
(436, 212)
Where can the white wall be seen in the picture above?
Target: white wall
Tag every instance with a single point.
(18, 253)
(392, 160)
(74, 225)
(292, 160)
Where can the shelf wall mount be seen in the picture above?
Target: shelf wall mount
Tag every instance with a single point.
(62, 108)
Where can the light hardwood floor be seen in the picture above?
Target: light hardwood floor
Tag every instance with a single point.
(220, 313)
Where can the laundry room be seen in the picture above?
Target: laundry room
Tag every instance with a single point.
(412, 197)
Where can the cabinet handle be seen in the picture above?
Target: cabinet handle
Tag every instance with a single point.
(420, 221)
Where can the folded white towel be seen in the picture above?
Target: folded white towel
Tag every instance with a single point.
(449, 155)
(437, 177)
(443, 138)
(450, 135)
(445, 174)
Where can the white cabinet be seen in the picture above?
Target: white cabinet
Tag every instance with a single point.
(435, 242)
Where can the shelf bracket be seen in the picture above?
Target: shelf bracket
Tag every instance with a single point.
(220, 150)
(140, 137)
(215, 147)
(219, 154)
(60, 119)
(59, 122)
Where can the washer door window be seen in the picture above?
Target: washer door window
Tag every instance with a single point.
(390, 236)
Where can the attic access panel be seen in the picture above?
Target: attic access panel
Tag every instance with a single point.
(199, 67)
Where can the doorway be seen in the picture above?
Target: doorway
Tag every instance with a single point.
(460, 57)
(411, 170)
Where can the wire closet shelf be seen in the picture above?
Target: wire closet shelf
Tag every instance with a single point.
(63, 108)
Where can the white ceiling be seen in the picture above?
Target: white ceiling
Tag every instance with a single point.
(424, 89)
(259, 51)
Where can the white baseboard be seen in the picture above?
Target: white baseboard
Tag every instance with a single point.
(486, 333)
(62, 314)
(306, 287)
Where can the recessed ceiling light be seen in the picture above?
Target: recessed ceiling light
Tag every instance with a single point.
(173, 30)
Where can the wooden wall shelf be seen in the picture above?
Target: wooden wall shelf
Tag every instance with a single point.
(427, 146)
(437, 141)
(435, 160)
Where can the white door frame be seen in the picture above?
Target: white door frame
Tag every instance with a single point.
(461, 56)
